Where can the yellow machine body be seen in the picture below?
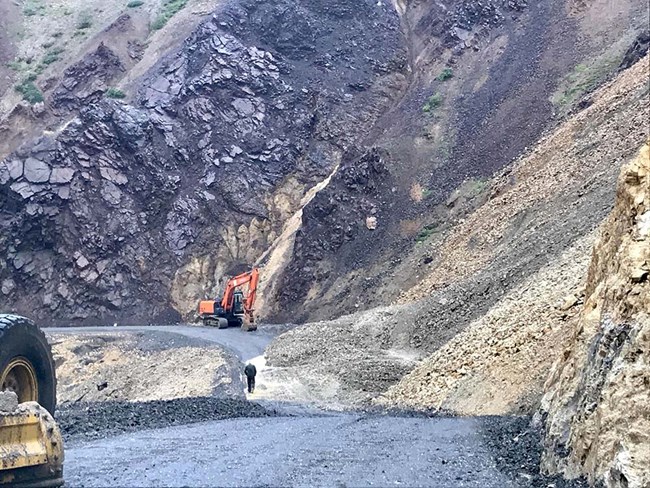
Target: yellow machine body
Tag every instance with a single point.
(31, 448)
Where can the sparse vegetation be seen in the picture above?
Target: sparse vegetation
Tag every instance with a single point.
(426, 232)
(85, 21)
(584, 78)
(33, 7)
(445, 74)
(114, 93)
(52, 55)
(169, 9)
(426, 193)
(29, 90)
(135, 3)
(433, 102)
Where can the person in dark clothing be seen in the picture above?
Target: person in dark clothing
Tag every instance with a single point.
(250, 371)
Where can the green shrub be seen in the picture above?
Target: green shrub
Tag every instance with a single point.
(114, 93)
(52, 55)
(169, 9)
(445, 74)
(426, 232)
(433, 102)
(85, 21)
(33, 7)
(134, 3)
(30, 91)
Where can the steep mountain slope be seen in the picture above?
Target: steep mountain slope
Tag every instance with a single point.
(596, 407)
(487, 79)
(496, 321)
(137, 209)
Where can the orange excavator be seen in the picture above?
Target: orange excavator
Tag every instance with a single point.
(235, 309)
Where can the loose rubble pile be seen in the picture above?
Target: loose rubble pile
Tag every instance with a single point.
(141, 367)
(96, 420)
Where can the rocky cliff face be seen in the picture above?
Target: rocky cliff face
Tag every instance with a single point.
(133, 211)
(596, 405)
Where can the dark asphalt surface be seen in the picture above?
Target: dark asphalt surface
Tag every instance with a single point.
(336, 450)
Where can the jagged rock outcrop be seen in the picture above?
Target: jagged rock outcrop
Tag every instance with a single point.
(153, 201)
(597, 407)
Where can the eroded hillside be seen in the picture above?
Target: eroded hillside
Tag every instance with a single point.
(175, 142)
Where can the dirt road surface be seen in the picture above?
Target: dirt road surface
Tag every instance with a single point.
(338, 450)
(245, 345)
(296, 444)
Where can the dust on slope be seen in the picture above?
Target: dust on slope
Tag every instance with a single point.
(598, 415)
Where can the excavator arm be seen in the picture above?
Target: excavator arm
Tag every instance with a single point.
(251, 278)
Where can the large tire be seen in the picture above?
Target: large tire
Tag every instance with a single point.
(26, 361)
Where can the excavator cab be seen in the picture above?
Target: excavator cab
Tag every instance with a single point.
(238, 302)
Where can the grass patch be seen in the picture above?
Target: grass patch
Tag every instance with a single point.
(30, 91)
(426, 232)
(85, 21)
(169, 9)
(17, 65)
(135, 3)
(584, 78)
(115, 93)
(33, 7)
(433, 102)
(445, 74)
(52, 56)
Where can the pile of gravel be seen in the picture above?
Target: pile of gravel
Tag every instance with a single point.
(517, 449)
(103, 419)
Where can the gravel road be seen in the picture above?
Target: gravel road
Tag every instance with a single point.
(337, 450)
(245, 345)
(241, 443)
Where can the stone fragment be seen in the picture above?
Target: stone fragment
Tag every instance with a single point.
(61, 175)
(111, 193)
(15, 168)
(8, 401)
(8, 286)
(82, 261)
(371, 222)
(113, 175)
(36, 171)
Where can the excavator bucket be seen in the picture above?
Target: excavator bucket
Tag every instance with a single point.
(31, 447)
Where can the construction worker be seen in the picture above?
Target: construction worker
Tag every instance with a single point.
(250, 371)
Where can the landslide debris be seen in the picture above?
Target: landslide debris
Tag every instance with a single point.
(596, 410)
(504, 64)
(503, 283)
(97, 420)
(141, 367)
